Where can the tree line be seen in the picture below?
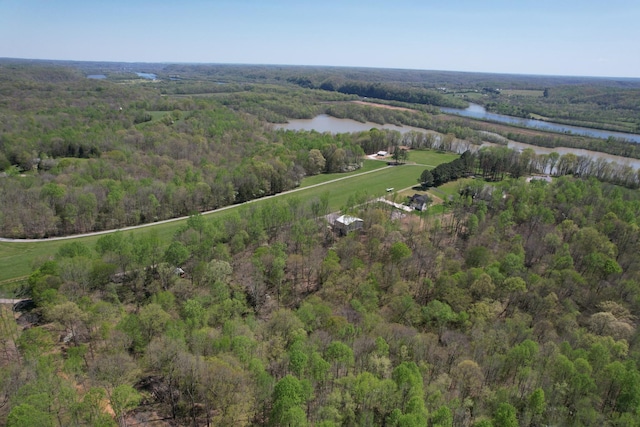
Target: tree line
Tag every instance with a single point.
(496, 163)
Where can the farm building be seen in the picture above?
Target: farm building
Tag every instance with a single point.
(346, 223)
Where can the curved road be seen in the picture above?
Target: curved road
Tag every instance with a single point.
(133, 227)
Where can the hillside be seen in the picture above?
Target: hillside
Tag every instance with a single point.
(511, 303)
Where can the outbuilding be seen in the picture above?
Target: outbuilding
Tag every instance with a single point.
(346, 223)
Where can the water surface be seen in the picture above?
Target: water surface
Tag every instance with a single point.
(326, 123)
(475, 111)
(148, 76)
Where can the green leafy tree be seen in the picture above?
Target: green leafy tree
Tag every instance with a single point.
(25, 415)
(176, 254)
(153, 321)
(537, 404)
(408, 380)
(34, 341)
(288, 398)
(123, 399)
(438, 314)
(341, 355)
(426, 179)
(442, 417)
(116, 248)
(298, 359)
(505, 416)
(316, 162)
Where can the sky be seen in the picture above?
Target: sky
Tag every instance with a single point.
(549, 37)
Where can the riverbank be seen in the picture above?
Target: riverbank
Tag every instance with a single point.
(478, 112)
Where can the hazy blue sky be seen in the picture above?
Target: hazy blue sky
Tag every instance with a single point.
(563, 37)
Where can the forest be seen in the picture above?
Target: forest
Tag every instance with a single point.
(510, 303)
(83, 155)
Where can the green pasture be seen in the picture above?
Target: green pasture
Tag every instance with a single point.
(374, 184)
(451, 188)
(367, 165)
(18, 259)
(430, 158)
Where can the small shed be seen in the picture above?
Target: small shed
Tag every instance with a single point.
(382, 153)
(419, 201)
(346, 223)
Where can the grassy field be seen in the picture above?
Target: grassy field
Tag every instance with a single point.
(18, 259)
(451, 188)
(373, 184)
(430, 157)
(367, 165)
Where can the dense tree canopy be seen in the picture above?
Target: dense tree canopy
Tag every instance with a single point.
(521, 316)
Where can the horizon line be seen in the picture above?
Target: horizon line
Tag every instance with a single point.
(313, 66)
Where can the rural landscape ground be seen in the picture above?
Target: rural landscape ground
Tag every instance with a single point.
(19, 255)
(174, 247)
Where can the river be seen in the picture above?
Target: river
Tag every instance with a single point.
(326, 123)
(476, 111)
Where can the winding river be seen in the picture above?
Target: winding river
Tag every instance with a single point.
(476, 111)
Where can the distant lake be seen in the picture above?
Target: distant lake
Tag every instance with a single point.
(148, 76)
(96, 76)
(475, 111)
(326, 123)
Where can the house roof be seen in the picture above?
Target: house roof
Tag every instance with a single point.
(347, 219)
(420, 198)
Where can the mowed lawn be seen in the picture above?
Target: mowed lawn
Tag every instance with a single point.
(430, 157)
(373, 184)
(367, 165)
(18, 259)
